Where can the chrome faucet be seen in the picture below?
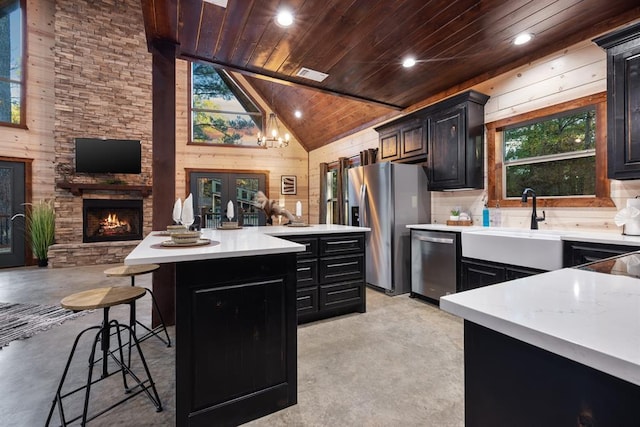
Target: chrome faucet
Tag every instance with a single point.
(534, 215)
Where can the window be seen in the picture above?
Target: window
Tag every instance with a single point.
(12, 63)
(555, 155)
(221, 113)
(212, 191)
(558, 151)
(334, 185)
(333, 216)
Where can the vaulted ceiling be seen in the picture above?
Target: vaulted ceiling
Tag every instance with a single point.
(360, 44)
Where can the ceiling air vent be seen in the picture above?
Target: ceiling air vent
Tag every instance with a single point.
(310, 74)
(221, 3)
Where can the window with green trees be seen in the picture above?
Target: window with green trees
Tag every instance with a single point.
(11, 63)
(221, 112)
(555, 155)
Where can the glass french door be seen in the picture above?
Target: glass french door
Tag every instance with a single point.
(212, 192)
(12, 198)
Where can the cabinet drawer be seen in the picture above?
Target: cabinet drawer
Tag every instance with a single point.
(341, 294)
(307, 300)
(307, 273)
(342, 244)
(310, 243)
(338, 269)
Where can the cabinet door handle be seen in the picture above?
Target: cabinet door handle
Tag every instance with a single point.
(342, 242)
(342, 264)
(304, 268)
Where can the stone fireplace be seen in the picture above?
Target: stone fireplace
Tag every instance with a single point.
(99, 223)
(110, 97)
(107, 220)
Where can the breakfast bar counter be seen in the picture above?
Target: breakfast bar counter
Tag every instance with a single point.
(236, 321)
(558, 348)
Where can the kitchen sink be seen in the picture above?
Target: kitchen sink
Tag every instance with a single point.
(540, 249)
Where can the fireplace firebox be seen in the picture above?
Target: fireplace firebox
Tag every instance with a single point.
(111, 220)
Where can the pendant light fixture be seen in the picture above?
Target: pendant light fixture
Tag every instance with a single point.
(271, 138)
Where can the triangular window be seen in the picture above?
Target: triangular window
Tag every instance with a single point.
(221, 112)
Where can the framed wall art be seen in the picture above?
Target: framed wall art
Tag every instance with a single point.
(289, 184)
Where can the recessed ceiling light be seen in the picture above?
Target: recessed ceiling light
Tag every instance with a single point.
(409, 62)
(522, 39)
(284, 18)
(297, 113)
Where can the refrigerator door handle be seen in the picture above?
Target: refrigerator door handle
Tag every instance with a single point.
(363, 208)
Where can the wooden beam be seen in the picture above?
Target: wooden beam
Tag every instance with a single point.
(164, 167)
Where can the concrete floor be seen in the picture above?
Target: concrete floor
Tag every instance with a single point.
(401, 363)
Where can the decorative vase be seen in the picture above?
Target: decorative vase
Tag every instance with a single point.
(43, 262)
(454, 217)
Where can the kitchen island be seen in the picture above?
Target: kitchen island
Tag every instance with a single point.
(558, 348)
(235, 299)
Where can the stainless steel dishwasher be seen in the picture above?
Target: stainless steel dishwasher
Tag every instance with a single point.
(434, 263)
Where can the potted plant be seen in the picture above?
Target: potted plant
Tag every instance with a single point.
(455, 214)
(40, 228)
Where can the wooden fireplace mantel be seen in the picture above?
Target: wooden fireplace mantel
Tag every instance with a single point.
(79, 188)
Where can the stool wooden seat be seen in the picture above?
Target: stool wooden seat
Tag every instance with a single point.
(105, 298)
(101, 298)
(133, 271)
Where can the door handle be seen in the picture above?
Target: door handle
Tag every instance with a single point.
(363, 208)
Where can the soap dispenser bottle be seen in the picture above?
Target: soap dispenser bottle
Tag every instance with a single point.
(485, 216)
(497, 216)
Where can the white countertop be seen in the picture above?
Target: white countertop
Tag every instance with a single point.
(579, 236)
(591, 318)
(248, 241)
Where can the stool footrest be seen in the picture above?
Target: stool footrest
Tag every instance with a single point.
(146, 386)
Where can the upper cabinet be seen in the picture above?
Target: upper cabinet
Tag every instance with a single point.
(623, 102)
(449, 135)
(404, 140)
(456, 143)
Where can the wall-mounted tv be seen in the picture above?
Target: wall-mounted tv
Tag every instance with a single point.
(94, 155)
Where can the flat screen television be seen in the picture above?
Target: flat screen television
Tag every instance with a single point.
(94, 155)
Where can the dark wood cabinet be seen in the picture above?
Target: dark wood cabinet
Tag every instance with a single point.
(404, 140)
(478, 273)
(330, 275)
(390, 145)
(623, 102)
(508, 381)
(578, 253)
(236, 325)
(456, 142)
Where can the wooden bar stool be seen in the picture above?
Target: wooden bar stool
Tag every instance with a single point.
(106, 298)
(133, 271)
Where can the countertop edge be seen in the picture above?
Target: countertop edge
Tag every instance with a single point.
(565, 235)
(249, 241)
(611, 364)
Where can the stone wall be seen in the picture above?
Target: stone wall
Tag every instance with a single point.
(102, 90)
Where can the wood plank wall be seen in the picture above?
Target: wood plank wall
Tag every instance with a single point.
(568, 74)
(36, 142)
(292, 160)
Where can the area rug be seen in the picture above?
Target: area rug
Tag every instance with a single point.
(19, 321)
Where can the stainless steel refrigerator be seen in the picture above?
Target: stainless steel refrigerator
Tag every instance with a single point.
(386, 197)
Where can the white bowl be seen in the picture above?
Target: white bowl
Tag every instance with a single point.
(185, 237)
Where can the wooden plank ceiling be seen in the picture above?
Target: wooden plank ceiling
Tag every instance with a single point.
(361, 45)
